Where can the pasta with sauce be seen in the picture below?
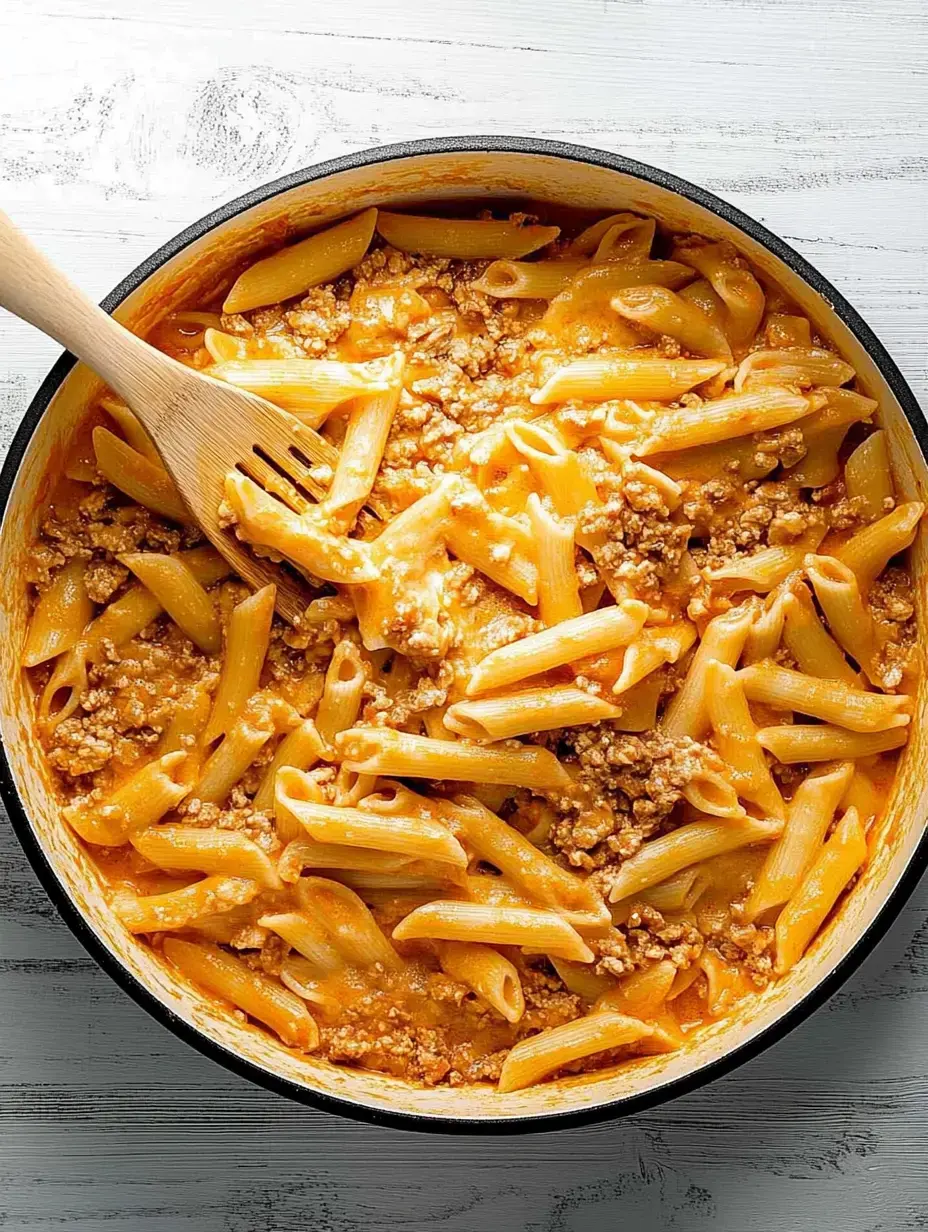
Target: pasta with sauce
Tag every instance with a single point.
(604, 672)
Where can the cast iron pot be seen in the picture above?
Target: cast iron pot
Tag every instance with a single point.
(445, 169)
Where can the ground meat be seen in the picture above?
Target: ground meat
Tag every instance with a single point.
(750, 947)
(626, 789)
(733, 522)
(842, 511)
(643, 546)
(396, 712)
(103, 578)
(96, 530)
(238, 814)
(320, 318)
(425, 1027)
(423, 430)
(644, 938)
(892, 604)
(892, 596)
(129, 702)
(42, 562)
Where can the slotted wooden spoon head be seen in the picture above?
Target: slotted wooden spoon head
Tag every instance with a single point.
(202, 427)
(205, 429)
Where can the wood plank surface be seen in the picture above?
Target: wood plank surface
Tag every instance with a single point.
(120, 122)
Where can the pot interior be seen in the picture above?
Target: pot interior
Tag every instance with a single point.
(458, 177)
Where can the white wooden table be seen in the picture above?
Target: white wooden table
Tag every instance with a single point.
(123, 120)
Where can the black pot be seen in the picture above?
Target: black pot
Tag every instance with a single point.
(423, 171)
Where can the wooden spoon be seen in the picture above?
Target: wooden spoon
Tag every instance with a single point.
(202, 427)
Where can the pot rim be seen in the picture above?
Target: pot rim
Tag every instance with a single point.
(304, 1094)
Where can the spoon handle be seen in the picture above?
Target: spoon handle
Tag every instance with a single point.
(34, 289)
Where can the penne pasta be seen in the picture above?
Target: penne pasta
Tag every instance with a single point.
(309, 388)
(723, 640)
(131, 429)
(527, 279)
(558, 587)
(702, 296)
(223, 853)
(744, 457)
(185, 731)
(416, 837)
(464, 239)
(641, 994)
(809, 642)
(589, 294)
(141, 801)
(637, 234)
(590, 634)
(410, 561)
(651, 649)
(182, 908)
(766, 568)
(139, 478)
(300, 976)
(550, 1050)
(258, 995)
(766, 633)
(734, 284)
(710, 792)
(793, 743)
(558, 470)
(868, 479)
(340, 703)
(664, 312)
(848, 617)
(689, 844)
(529, 710)
(259, 518)
(293, 270)
(810, 813)
(864, 795)
(806, 911)
(498, 546)
(868, 552)
(723, 420)
(735, 738)
(793, 367)
(222, 347)
(63, 612)
(544, 881)
(820, 465)
(305, 852)
(348, 922)
(524, 926)
(832, 701)
(382, 751)
(678, 893)
(235, 754)
(596, 379)
(308, 936)
(361, 453)
(783, 330)
(173, 584)
(491, 976)
(299, 749)
(246, 642)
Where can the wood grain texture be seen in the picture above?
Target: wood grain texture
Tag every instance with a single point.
(120, 122)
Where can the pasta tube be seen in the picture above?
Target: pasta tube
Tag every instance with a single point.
(540, 1055)
(293, 270)
(583, 636)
